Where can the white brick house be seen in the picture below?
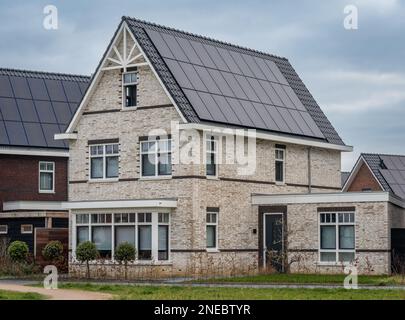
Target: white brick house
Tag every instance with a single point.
(125, 183)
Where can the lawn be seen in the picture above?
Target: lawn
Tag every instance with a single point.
(134, 292)
(11, 295)
(283, 278)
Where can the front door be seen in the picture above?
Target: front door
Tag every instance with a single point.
(273, 241)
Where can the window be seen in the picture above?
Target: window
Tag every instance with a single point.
(130, 82)
(212, 230)
(148, 232)
(337, 241)
(279, 163)
(156, 158)
(3, 229)
(163, 236)
(26, 228)
(46, 177)
(104, 161)
(211, 156)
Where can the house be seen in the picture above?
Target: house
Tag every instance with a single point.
(33, 165)
(382, 172)
(210, 157)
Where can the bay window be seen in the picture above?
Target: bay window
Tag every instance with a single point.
(337, 237)
(104, 161)
(156, 158)
(148, 232)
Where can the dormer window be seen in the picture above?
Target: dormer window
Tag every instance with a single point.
(130, 83)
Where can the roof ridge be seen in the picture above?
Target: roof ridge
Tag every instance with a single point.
(153, 24)
(382, 154)
(33, 73)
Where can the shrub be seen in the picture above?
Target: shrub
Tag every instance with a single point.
(53, 251)
(18, 251)
(85, 252)
(123, 253)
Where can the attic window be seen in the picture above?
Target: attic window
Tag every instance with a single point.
(130, 83)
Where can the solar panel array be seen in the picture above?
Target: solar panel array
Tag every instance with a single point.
(35, 106)
(394, 173)
(227, 86)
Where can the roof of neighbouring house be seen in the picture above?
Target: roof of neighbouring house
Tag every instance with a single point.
(343, 177)
(214, 81)
(36, 105)
(389, 170)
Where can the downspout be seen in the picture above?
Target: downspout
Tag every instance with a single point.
(309, 171)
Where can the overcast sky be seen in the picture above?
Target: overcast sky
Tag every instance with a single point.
(357, 76)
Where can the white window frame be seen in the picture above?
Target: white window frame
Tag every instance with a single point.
(136, 83)
(104, 156)
(336, 224)
(5, 230)
(29, 231)
(283, 150)
(211, 138)
(156, 152)
(154, 223)
(46, 171)
(215, 224)
(164, 223)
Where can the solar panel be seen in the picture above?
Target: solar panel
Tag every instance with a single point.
(160, 44)
(5, 87)
(289, 120)
(265, 69)
(278, 119)
(189, 51)
(38, 89)
(62, 112)
(50, 130)
(45, 111)
(265, 115)
(243, 83)
(276, 72)
(212, 107)
(72, 91)
(234, 85)
(253, 114)
(311, 123)
(34, 134)
(271, 93)
(193, 76)
(293, 97)
(198, 104)
(301, 122)
(230, 62)
(207, 80)
(283, 96)
(174, 47)
(20, 87)
(241, 64)
(8, 109)
(83, 87)
(73, 107)
(258, 89)
(27, 110)
(226, 109)
(220, 82)
(55, 90)
(216, 58)
(253, 67)
(179, 74)
(3, 134)
(240, 112)
(202, 54)
(16, 133)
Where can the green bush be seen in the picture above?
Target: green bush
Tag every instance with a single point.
(85, 252)
(53, 251)
(124, 253)
(18, 251)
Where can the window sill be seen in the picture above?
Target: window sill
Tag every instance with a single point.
(46, 192)
(103, 180)
(124, 109)
(155, 178)
(280, 183)
(212, 177)
(213, 250)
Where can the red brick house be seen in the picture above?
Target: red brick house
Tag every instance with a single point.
(33, 166)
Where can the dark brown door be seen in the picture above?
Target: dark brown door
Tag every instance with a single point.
(273, 241)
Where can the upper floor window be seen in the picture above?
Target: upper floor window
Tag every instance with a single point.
(46, 177)
(212, 230)
(280, 163)
(337, 239)
(211, 156)
(104, 161)
(156, 158)
(130, 83)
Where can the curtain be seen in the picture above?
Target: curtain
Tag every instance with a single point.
(145, 238)
(112, 167)
(82, 234)
(163, 242)
(96, 167)
(346, 237)
(102, 237)
(46, 181)
(125, 234)
(328, 237)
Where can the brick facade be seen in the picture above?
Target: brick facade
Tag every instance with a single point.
(364, 181)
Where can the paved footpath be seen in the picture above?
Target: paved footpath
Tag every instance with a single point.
(56, 294)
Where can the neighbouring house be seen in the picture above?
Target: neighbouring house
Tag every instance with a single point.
(383, 172)
(160, 96)
(344, 176)
(34, 106)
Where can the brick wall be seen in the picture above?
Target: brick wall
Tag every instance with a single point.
(364, 179)
(20, 181)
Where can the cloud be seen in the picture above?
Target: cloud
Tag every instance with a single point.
(380, 6)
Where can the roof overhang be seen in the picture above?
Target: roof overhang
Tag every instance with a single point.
(268, 136)
(360, 161)
(41, 152)
(117, 204)
(34, 214)
(65, 136)
(319, 198)
(33, 206)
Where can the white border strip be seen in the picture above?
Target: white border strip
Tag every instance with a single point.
(33, 205)
(34, 152)
(121, 204)
(272, 137)
(338, 197)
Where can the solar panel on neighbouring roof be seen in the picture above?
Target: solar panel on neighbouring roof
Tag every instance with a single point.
(20, 87)
(5, 87)
(55, 90)
(16, 133)
(8, 109)
(3, 134)
(34, 134)
(62, 112)
(72, 91)
(27, 110)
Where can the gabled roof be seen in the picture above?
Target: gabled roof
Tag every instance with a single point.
(389, 171)
(36, 105)
(214, 81)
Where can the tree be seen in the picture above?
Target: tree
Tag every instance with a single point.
(124, 253)
(85, 252)
(18, 251)
(53, 251)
